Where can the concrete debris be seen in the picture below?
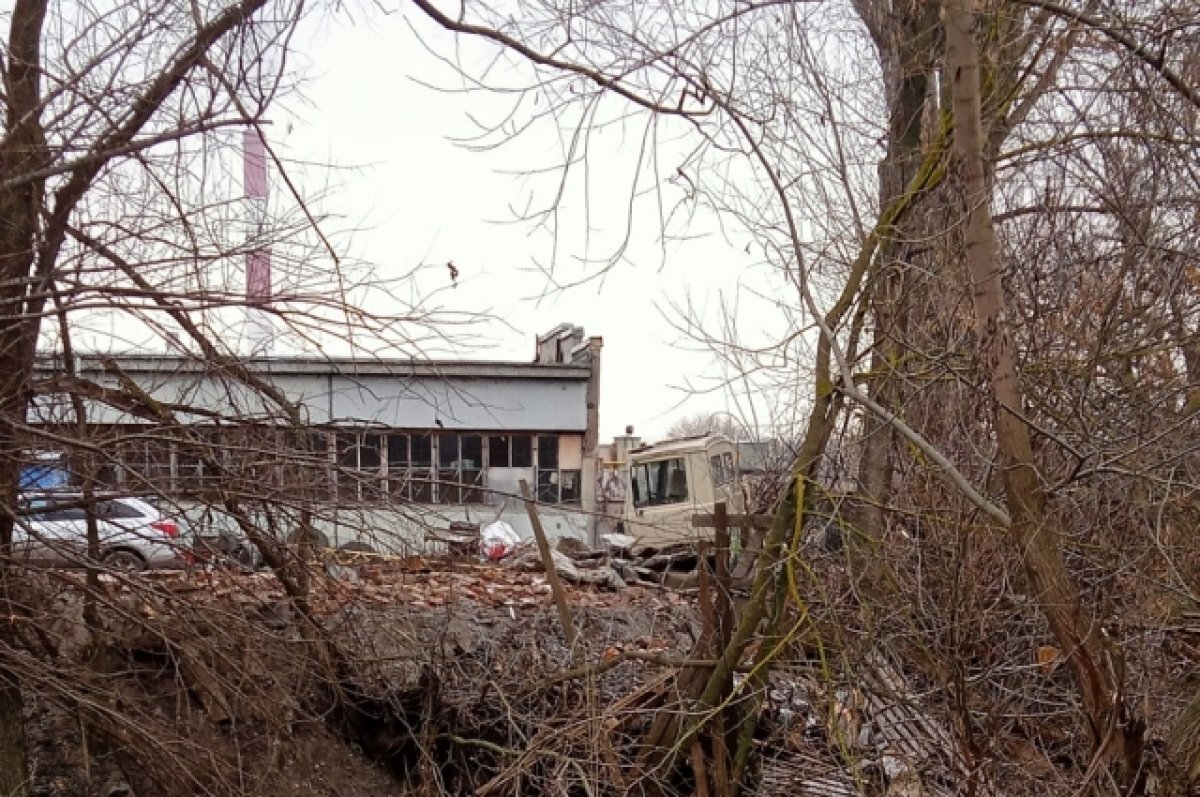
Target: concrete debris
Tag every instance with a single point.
(598, 575)
(572, 547)
(619, 543)
(675, 568)
(417, 581)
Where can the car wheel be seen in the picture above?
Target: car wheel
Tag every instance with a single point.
(126, 561)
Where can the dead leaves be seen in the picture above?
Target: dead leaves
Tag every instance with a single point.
(1048, 658)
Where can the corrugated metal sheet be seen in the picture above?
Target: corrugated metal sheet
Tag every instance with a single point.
(524, 404)
(419, 402)
(897, 745)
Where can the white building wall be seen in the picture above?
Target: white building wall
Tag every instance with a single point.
(403, 531)
(422, 402)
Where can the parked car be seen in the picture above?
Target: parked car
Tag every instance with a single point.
(223, 547)
(217, 539)
(51, 529)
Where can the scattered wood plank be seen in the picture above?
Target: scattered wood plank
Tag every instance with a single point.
(709, 521)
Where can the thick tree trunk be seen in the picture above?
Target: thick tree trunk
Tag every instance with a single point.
(903, 39)
(1078, 634)
(22, 149)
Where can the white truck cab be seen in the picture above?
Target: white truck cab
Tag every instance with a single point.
(669, 482)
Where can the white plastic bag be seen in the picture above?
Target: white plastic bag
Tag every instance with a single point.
(497, 540)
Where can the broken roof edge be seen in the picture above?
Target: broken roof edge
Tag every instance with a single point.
(563, 330)
(166, 364)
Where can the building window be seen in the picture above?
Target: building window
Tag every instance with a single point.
(460, 469)
(398, 463)
(447, 479)
(547, 469)
(499, 451)
(212, 460)
(108, 472)
(409, 467)
(251, 457)
(147, 463)
(107, 463)
(421, 474)
(307, 473)
(351, 466)
(370, 467)
(568, 484)
(190, 472)
(471, 468)
(508, 460)
(360, 464)
(559, 475)
(195, 469)
(522, 451)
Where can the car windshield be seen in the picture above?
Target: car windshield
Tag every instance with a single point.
(661, 482)
(116, 510)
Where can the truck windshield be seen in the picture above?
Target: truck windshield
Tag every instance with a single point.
(660, 482)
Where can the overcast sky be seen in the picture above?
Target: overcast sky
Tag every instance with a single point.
(417, 197)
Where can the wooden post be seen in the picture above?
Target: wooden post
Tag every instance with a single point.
(759, 522)
(723, 611)
(708, 616)
(556, 587)
(724, 602)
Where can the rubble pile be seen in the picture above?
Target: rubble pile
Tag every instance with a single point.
(432, 663)
(517, 581)
(454, 671)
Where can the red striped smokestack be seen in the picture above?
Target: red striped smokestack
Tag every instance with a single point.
(254, 181)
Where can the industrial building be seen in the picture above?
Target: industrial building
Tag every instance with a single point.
(389, 444)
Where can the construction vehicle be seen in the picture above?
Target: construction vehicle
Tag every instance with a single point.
(670, 482)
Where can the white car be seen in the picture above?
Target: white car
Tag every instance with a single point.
(51, 529)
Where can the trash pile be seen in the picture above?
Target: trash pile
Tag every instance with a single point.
(613, 567)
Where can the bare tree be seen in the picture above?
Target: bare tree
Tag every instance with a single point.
(1000, 321)
(115, 184)
(709, 423)
(980, 102)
